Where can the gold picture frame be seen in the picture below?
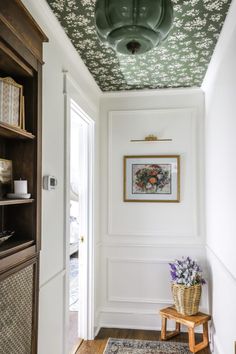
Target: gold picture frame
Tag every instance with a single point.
(11, 103)
(152, 178)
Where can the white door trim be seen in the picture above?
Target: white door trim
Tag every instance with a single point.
(87, 332)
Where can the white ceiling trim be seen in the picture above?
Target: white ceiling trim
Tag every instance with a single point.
(152, 92)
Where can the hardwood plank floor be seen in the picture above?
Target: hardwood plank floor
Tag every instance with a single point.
(97, 346)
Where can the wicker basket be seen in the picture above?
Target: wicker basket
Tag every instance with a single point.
(186, 299)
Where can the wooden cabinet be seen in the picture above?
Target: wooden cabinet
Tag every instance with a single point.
(21, 42)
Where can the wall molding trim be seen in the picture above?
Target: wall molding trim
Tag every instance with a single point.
(135, 244)
(153, 92)
(192, 111)
(157, 234)
(225, 268)
(134, 319)
(143, 300)
(69, 85)
(96, 331)
(138, 260)
(140, 300)
(138, 311)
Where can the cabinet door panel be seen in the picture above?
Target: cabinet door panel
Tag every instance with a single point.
(17, 307)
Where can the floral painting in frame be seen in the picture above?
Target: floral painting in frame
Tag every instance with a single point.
(152, 178)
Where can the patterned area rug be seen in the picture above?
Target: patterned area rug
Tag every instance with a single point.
(134, 346)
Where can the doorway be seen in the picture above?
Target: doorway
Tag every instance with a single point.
(79, 227)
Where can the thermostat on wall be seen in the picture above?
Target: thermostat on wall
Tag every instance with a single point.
(49, 183)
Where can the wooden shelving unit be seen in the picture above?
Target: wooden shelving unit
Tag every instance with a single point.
(11, 132)
(21, 42)
(15, 202)
(9, 247)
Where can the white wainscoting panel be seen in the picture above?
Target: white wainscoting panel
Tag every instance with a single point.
(138, 280)
(153, 219)
(139, 239)
(134, 287)
(51, 316)
(136, 319)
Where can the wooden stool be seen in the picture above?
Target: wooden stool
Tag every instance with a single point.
(190, 321)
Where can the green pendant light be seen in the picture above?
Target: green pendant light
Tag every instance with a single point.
(133, 26)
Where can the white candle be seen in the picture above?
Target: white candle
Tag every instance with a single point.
(20, 187)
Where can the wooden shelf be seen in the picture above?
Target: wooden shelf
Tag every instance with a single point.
(11, 132)
(21, 59)
(9, 247)
(12, 64)
(15, 201)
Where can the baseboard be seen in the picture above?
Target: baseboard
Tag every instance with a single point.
(96, 331)
(216, 347)
(135, 319)
(124, 326)
(97, 326)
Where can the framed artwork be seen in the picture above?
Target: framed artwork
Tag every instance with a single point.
(152, 178)
(5, 171)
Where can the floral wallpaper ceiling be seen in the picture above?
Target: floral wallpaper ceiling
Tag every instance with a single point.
(181, 61)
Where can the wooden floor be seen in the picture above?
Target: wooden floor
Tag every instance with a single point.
(97, 346)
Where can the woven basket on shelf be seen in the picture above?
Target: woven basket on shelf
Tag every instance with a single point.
(186, 299)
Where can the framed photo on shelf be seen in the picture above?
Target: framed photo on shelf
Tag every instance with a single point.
(11, 102)
(5, 171)
(152, 178)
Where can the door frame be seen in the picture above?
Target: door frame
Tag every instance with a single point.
(71, 92)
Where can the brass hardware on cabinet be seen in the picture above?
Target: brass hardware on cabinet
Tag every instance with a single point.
(82, 239)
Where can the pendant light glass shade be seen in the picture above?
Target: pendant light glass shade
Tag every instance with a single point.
(133, 26)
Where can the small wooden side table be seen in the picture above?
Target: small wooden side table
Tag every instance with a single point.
(190, 321)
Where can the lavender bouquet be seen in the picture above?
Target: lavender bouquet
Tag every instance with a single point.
(186, 272)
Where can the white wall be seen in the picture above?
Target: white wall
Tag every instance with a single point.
(139, 239)
(220, 93)
(59, 55)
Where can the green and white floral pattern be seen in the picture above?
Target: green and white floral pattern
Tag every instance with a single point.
(181, 61)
